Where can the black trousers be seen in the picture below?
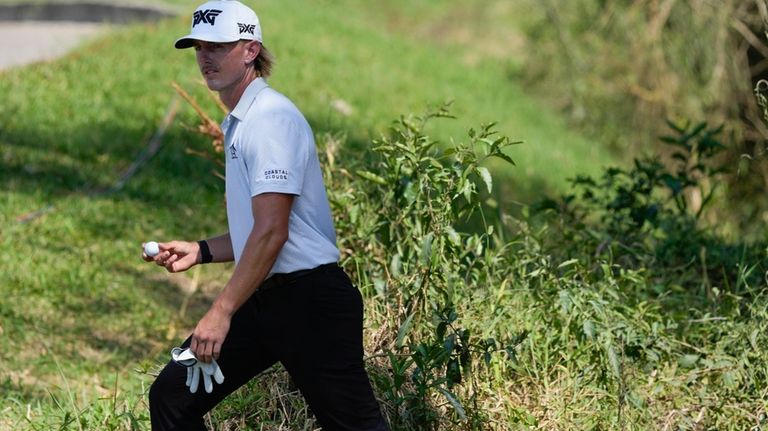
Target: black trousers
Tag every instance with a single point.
(313, 325)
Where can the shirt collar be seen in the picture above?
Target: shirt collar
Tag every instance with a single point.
(249, 95)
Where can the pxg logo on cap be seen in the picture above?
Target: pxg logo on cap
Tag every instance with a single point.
(207, 16)
(246, 28)
(222, 21)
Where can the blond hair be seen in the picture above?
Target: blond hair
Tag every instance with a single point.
(264, 62)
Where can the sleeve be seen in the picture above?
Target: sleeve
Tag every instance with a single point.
(276, 155)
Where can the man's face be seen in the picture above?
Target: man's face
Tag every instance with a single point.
(222, 64)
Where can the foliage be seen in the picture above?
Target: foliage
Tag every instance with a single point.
(399, 217)
(560, 317)
(652, 215)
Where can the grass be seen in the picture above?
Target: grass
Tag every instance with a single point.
(81, 314)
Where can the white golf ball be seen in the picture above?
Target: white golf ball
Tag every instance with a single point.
(151, 249)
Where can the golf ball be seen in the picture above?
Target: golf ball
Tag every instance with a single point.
(151, 249)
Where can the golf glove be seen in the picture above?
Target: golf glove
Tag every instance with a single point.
(195, 368)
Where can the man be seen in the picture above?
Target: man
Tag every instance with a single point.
(287, 300)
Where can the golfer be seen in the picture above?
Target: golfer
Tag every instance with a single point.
(287, 300)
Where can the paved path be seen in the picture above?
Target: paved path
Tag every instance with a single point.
(31, 41)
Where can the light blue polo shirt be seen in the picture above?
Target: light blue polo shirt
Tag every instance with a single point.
(269, 147)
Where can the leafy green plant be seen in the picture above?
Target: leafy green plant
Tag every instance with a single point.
(405, 209)
(630, 199)
(655, 212)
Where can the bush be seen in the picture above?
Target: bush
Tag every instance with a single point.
(583, 323)
(399, 217)
(654, 216)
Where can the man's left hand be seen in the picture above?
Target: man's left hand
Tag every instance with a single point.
(209, 334)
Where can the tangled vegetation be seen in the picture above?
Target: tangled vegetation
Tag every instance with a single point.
(588, 318)
(610, 308)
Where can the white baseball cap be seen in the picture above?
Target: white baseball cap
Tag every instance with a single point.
(222, 21)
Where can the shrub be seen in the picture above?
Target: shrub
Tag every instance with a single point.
(399, 218)
(654, 216)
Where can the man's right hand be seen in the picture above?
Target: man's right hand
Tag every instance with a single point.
(176, 256)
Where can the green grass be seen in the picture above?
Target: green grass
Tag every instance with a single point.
(80, 312)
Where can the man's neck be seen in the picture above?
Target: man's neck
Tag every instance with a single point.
(230, 96)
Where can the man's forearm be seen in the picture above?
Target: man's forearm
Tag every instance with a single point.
(220, 248)
(271, 214)
(260, 252)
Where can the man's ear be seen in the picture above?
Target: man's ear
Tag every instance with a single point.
(252, 50)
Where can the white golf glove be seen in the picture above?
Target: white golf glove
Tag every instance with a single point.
(186, 358)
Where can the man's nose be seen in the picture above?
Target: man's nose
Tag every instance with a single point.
(203, 54)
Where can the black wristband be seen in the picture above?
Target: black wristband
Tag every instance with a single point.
(205, 252)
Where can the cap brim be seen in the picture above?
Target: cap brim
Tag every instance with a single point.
(188, 41)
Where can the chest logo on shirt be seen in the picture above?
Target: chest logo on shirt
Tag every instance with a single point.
(233, 151)
(276, 175)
